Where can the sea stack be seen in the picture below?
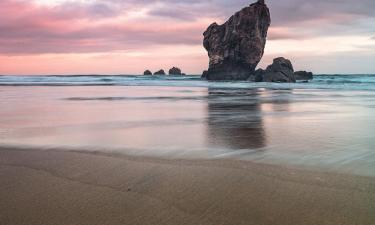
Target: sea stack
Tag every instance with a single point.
(147, 73)
(160, 72)
(236, 47)
(175, 71)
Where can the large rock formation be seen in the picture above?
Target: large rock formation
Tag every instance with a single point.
(175, 71)
(257, 76)
(236, 47)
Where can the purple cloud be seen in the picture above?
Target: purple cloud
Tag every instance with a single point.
(101, 26)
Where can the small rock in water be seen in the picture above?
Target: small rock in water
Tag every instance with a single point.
(303, 75)
(175, 71)
(281, 70)
(160, 72)
(147, 72)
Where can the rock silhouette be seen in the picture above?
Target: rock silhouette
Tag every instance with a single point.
(175, 71)
(281, 71)
(160, 72)
(147, 72)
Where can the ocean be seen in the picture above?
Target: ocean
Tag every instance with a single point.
(327, 124)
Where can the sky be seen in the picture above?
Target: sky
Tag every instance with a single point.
(130, 36)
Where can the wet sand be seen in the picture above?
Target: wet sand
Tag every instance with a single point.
(71, 187)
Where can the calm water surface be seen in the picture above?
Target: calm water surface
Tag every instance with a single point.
(327, 124)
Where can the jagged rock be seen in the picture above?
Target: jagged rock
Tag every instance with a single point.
(281, 70)
(183, 74)
(236, 47)
(147, 72)
(160, 72)
(303, 75)
(175, 71)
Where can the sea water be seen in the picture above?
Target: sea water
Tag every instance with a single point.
(328, 123)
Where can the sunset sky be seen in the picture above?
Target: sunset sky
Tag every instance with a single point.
(129, 36)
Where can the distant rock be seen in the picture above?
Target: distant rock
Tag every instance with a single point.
(281, 70)
(175, 71)
(160, 72)
(147, 72)
(303, 75)
(236, 47)
(183, 74)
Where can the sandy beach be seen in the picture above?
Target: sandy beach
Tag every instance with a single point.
(71, 187)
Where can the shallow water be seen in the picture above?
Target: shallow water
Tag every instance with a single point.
(327, 124)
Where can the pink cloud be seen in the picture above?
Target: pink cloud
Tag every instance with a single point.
(28, 29)
(282, 33)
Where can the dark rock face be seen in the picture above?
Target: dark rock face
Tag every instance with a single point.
(204, 74)
(303, 75)
(160, 72)
(175, 71)
(147, 72)
(257, 76)
(236, 47)
(281, 70)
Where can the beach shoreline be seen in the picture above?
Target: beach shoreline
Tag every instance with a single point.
(76, 187)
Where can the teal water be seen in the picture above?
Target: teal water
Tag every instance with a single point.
(327, 124)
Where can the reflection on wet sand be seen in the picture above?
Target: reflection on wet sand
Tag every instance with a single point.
(280, 101)
(235, 119)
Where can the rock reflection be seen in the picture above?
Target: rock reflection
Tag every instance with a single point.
(235, 119)
(280, 100)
